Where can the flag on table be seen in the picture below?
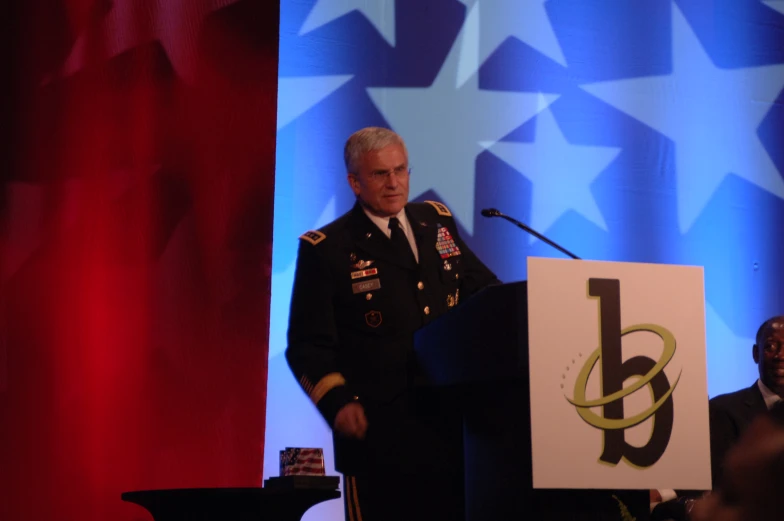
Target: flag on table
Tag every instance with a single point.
(301, 462)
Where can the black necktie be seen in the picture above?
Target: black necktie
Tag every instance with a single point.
(399, 240)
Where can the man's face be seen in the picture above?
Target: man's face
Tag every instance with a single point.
(382, 181)
(769, 355)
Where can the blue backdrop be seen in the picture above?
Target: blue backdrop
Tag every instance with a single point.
(644, 131)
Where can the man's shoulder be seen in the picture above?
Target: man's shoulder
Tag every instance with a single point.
(328, 234)
(429, 209)
(730, 400)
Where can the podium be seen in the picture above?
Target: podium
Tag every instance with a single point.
(478, 355)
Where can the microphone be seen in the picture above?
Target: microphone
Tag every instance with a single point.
(492, 212)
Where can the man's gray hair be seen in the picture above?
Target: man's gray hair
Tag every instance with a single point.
(365, 140)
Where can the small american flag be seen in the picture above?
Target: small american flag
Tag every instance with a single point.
(301, 462)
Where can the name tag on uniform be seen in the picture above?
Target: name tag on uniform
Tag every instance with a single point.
(368, 285)
(363, 273)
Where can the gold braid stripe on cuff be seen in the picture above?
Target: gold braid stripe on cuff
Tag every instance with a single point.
(306, 384)
(326, 384)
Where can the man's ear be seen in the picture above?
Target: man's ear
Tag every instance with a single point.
(755, 354)
(353, 182)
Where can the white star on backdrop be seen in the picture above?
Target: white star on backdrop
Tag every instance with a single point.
(728, 354)
(778, 5)
(381, 13)
(712, 115)
(489, 24)
(561, 173)
(176, 24)
(443, 127)
(298, 95)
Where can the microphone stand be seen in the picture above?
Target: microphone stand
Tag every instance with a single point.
(492, 212)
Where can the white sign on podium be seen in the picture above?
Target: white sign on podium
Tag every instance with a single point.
(619, 396)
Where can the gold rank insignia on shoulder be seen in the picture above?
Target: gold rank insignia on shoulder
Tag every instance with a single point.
(440, 208)
(313, 237)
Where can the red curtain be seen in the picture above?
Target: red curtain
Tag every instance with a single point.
(135, 251)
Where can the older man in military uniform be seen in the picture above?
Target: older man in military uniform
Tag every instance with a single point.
(364, 284)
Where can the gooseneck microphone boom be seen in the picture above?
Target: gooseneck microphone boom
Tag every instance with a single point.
(492, 212)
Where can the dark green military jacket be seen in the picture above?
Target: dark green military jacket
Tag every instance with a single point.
(357, 302)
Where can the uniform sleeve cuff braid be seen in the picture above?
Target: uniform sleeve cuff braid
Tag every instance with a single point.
(333, 401)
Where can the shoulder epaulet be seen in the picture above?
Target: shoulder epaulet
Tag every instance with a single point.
(440, 208)
(313, 237)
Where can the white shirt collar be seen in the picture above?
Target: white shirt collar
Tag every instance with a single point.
(383, 225)
(769, 396)
(383, 222)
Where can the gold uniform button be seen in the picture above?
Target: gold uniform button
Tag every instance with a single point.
(420, 285)
(427, 310)
(457, 275)
(368, 296)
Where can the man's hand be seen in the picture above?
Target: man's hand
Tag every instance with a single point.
(351, 421)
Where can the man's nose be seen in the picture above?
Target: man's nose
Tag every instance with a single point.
(391, 180)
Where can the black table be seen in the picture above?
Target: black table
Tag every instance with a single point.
(229, 504)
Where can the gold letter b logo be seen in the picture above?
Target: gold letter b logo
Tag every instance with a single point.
(614, 371)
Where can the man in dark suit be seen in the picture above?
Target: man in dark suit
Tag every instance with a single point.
(731, 414)
(754, 475)
(364, 284)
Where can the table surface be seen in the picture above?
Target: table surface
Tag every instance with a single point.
(229, 504)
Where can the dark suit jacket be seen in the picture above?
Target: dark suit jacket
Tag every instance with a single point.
(351, 332)
(730, 415)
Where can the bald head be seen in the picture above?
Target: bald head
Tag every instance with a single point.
(769, 326)
(768, 353)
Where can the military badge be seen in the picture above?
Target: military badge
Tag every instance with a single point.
(352, 257)
(445, 243)
(452, 300)
(364, 273)
(447, 266)
(373, 318)
(361, 264)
